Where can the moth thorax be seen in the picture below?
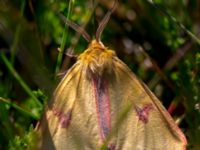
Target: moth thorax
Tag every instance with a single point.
(97, 60)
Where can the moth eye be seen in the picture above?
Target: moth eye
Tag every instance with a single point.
(143, 113)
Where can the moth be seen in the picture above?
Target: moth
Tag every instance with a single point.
(101, 104)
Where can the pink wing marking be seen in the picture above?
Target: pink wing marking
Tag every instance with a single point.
(143, 113)
(64, 118)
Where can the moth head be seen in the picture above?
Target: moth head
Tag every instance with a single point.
(97, 60)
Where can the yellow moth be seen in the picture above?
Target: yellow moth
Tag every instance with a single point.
(85, 111)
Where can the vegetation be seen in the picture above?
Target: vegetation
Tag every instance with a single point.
(158, 40)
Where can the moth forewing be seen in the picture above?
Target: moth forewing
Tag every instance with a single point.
(171, 124)
(149, 121)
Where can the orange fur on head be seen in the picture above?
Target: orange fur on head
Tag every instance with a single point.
(97, 59)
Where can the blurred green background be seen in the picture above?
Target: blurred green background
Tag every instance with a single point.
(158, 40)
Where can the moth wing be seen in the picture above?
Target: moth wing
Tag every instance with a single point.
(70, 121)
(147, 126)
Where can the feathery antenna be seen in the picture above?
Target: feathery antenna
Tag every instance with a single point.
(104, 21)
(100, 29)
(76, 27)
